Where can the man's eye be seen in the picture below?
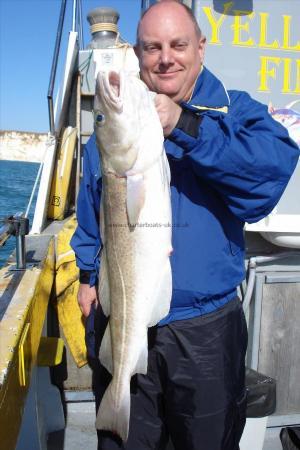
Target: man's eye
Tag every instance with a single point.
(180, 46)
(150, 48)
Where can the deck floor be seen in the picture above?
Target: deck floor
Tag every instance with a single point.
(80, 431)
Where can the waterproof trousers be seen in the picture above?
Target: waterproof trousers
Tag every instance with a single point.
(193, 396)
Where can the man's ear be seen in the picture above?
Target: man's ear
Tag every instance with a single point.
(136, 49)
(201, 47)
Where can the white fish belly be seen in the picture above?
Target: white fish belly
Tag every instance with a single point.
(139, 278)
(138, 266)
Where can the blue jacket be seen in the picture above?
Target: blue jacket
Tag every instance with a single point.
(233, 172)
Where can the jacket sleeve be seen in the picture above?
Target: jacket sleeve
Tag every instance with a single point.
(245, 155)
(86, 241)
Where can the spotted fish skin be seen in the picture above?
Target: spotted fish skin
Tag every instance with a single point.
(135, 224)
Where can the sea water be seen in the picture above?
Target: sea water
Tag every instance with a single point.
(16, 182)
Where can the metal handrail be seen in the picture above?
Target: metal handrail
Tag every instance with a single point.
(76, 25)
(80, 26)
(54, 65)
(74, 15)
(145, 4)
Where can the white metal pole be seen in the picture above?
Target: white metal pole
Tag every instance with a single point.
(74, 15)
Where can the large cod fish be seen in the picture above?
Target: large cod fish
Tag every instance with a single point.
(135, 224)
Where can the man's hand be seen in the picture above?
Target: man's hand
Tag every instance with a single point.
(86, 297)
(168, 111)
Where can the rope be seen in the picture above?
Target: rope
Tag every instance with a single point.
(124, 45)
(104, 26)
(119, 44)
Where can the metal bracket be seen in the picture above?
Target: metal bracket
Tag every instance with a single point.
(18, 226)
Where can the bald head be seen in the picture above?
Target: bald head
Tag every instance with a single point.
(161, 6)
(170, 48)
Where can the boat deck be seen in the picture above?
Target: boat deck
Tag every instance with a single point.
(80, 432)
(80, 429)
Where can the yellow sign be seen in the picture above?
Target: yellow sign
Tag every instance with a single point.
(273, 33)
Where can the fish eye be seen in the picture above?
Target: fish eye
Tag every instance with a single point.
(99, 118)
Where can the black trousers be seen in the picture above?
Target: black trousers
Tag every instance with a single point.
(194, 392)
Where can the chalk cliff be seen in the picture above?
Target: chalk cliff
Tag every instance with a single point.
(22, 146)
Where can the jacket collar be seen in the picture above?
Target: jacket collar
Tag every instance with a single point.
(208, 92)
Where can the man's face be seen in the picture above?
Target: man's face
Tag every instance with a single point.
(170, 52)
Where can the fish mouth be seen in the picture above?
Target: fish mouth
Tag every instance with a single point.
(114, 80)
(111, 87)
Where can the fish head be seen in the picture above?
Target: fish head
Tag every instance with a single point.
(117, 109)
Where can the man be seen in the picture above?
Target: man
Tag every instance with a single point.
(230, 163)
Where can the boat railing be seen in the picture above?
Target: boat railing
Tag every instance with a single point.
(18, 226)
(76, 26)
(69, 39)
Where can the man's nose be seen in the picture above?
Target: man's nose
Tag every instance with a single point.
(166, 56)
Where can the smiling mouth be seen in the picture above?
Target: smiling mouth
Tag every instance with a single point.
(166, 74)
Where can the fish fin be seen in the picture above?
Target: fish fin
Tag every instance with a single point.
(112, 416)
(105, 353)
(162, 296)
(142, 362)
(104, 285)
(135, 197)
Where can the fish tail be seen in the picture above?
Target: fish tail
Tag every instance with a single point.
(114, 415)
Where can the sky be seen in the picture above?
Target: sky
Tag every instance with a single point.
(27, 39)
